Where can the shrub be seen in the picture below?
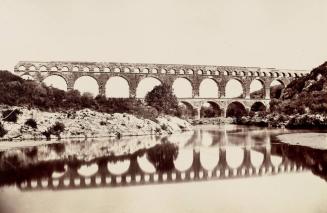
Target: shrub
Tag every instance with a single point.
(162, 99)
(56, 129)
(3, 132)
(11, 115)
(31, 122)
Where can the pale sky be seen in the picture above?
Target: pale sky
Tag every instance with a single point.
(288, 34)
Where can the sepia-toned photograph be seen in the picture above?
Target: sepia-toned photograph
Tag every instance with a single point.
(163, 106)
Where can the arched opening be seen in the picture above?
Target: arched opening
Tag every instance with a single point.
(186, 109)
(257, 90)
(27, 77)
(208, 89)
(236, 109)
(182, 88)
(56, 81)
(258, 107)
(117, 87)
(210, 110)
(87, 84)
(145, 86)
(234, 89)
(276, 88)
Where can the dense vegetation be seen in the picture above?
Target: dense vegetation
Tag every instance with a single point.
(307, 94)
(16, 91)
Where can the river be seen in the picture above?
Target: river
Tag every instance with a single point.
(211, 169)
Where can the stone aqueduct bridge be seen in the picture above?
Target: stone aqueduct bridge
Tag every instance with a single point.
(165, 73)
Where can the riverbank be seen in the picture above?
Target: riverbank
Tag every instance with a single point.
(87, 123)
(305, 121)
(312, 140)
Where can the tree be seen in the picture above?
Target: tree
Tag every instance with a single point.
(162, 99)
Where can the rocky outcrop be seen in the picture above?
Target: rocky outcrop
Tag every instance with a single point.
(88, 123)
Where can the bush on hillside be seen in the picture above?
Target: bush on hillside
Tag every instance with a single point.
(56, 130)
(31, 122)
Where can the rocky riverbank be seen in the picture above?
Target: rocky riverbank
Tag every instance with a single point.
(87, 123)
(305, 121)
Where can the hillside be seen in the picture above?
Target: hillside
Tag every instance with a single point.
(304, 95)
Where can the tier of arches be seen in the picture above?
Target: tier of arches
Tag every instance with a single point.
(181, 70)
(120, 87)
(211, 109)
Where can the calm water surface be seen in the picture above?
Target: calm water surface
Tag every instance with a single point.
(211, 169)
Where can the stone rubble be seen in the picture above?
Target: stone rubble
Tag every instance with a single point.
(87, 123)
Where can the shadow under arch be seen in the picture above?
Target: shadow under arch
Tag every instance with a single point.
(236, 109)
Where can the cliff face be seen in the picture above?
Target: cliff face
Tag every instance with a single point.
(305, 95)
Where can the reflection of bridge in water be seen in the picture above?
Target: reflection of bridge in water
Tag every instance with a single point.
(135, 175)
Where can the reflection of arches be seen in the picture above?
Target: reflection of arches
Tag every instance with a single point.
(208, 89)
(145, 164)
(119, 167)
(86, 170)
(184, 159)
(210, 110)
(236, 109)
(146, 85)
(56, 81)
(234, 89)
(209, 158)
(276, 88)
(182, 88)
(257, 89)
(258, 107)
(112, 86)
(87, 84)
(234, 156)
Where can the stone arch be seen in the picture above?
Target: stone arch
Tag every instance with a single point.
(54, 69)
(43, 68)
(257, 89)
(187, 109)
(190, 72)
(86, 69)
(56, 81)
(145, 70)
(96, 69)
(106, 69)
(64, 69)
(32, 68)
(234, 88)
(200, 72)
(117, 87)
(236, 109)
(210, 109)
(226, 73)
(75, 69)
(136, 70)
(181, 72)
(276, 88)
(87, 84)
(21, 68)
(127, 70)
(208, 88)
(27, 77)
(234, 73)
(163, 71)
(154, 70)
(258, 107)
(172, 71)
(145, 85)
(182, 88)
